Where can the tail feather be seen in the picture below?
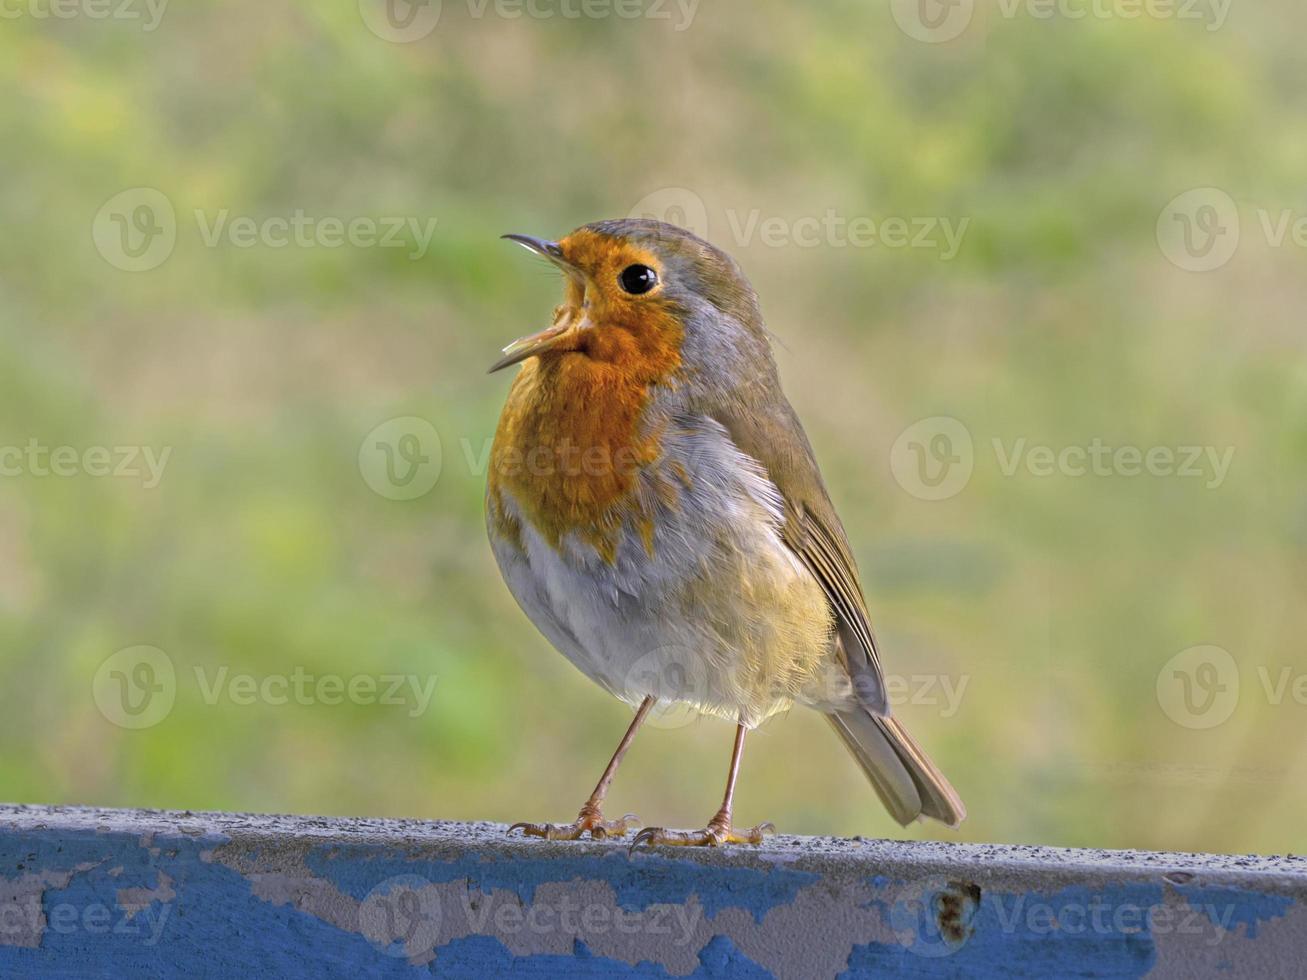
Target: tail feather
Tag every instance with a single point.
(904, 778)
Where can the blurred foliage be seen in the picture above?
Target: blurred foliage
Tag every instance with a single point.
(262, 550)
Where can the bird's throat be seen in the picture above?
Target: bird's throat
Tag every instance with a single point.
(573, 440)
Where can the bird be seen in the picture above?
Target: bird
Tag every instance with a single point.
(656, 509)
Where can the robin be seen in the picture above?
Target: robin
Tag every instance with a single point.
(656, 510)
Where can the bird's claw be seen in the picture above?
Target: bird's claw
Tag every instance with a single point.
(714, 835)
(588, 822)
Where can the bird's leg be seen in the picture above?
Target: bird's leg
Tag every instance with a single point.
(591, 817)
(720, 829)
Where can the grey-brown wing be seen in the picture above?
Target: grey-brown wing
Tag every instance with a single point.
(774, 437)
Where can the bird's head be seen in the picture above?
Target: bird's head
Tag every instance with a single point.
(644, 296)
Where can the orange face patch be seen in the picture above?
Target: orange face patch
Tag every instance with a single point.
(573, 438)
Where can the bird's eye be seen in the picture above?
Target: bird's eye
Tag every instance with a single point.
(638, 279)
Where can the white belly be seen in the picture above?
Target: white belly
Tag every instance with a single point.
(722, 616)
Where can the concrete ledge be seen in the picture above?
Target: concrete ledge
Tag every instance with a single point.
(109, 893)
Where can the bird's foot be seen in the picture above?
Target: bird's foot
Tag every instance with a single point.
(590, 820)
(718, 832)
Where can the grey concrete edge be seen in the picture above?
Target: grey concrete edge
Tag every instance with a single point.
(828, 856)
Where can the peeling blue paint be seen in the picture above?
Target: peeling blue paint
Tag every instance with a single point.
(477, 957)
(996, 949)
(638, 882)
(140, 899)
(1060, 933)
(214, 927)
(1246, 908)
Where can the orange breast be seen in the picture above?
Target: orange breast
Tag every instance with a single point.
(573, 438)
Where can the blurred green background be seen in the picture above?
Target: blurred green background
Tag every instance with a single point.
(1054, 604)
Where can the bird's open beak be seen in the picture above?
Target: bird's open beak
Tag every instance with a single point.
(547, 249)
(537, 343)
(524, 347)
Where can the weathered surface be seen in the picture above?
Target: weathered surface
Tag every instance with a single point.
(108, 893)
